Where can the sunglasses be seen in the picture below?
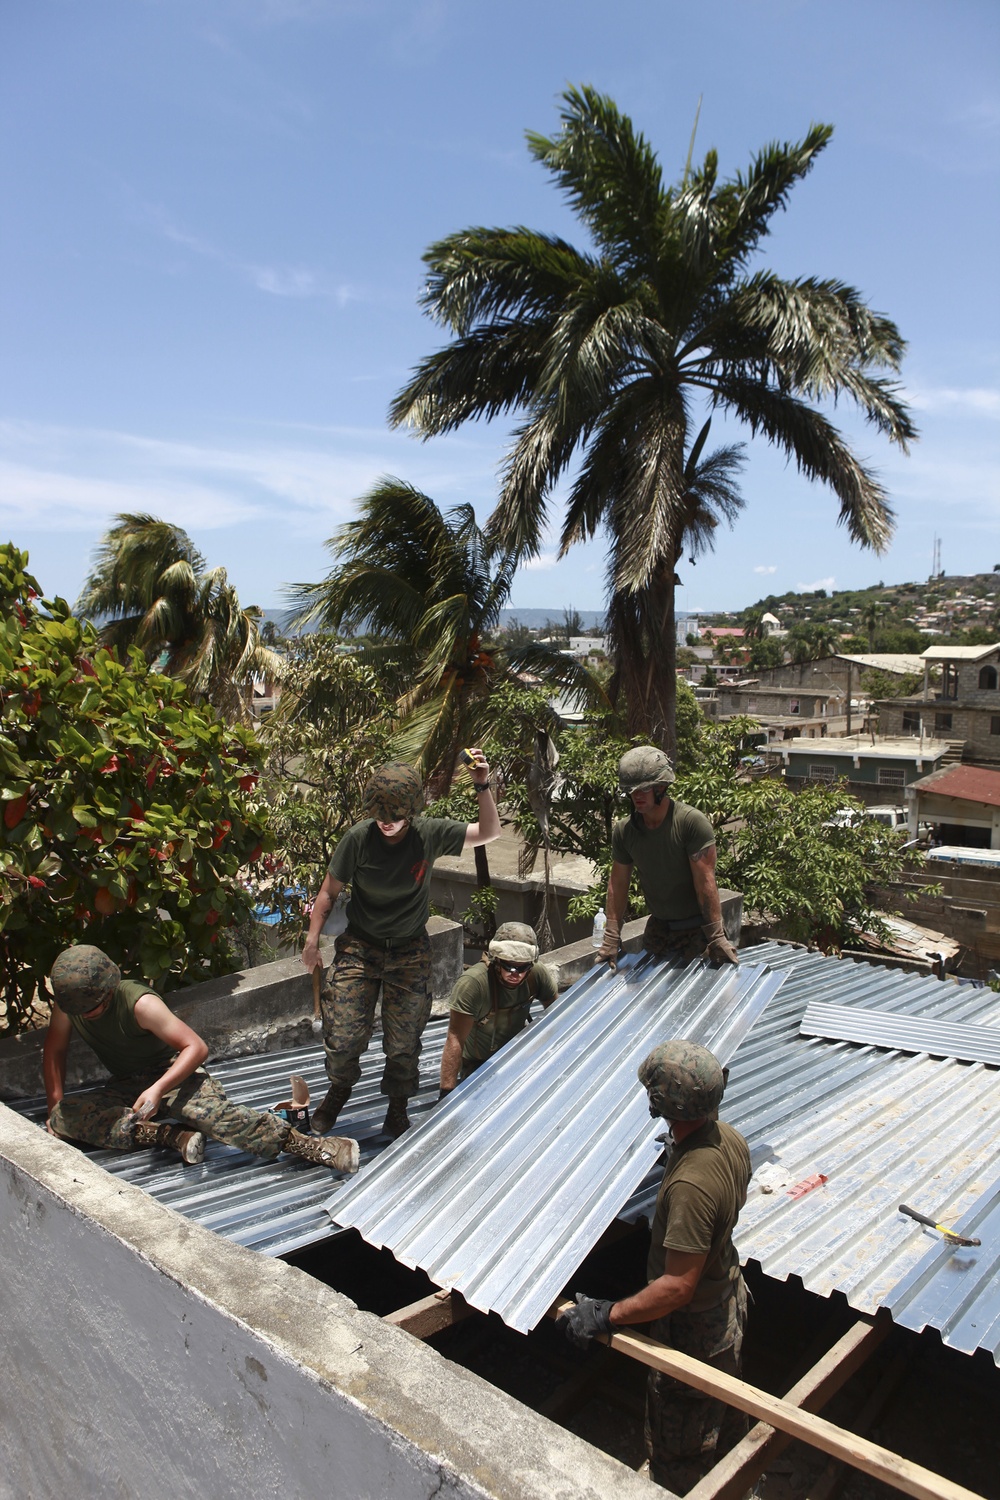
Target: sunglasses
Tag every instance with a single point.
(513, 968)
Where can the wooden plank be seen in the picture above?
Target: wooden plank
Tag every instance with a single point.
(891, 1468)
(430, 1314)
(736, 1470)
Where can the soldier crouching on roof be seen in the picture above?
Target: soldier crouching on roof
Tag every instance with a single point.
(695, 1297)
(672, 846)
(491, 1002)
(386, 859)
(154, 1059)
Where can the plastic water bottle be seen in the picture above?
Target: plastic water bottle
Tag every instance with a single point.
(600, 922)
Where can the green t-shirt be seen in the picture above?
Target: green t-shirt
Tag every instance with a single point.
(703, 1189)
(662, 856)
(122, 1045)
(390, 883)
(498, 1013)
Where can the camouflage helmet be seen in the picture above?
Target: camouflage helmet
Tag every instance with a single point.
(394, 791)
(81, 978)
(684, 1081)
(515, 942)
(645, 766)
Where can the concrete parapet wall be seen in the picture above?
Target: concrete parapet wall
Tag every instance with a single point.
(145, 1356)
(266, 1009)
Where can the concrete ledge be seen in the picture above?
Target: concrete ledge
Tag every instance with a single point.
(266, 1009)
(183, 1364)
(576, 958)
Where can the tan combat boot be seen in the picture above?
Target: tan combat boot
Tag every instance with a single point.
(338, 1152)
(189, 1143)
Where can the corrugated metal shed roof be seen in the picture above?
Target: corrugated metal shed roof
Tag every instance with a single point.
(887, 1028)
(969, 783)
(505, 1189)
(884, 1127)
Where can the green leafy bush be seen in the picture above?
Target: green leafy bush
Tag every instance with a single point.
(127, 812)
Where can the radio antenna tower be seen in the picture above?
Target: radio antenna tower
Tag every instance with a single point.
(936, 564)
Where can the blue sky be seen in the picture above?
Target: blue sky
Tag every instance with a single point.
(215, 212)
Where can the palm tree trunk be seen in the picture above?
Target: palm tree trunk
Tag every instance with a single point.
(643, 641)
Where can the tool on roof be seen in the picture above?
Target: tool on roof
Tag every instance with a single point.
(949, 1234)
(296, 1109)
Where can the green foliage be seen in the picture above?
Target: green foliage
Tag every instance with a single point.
(128, 812)
(479, 917)
(813, 883)
(766, 653)
(333, 726)
(877, 684)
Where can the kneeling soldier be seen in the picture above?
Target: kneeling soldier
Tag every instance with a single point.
(155, 1064)
(491, 1002)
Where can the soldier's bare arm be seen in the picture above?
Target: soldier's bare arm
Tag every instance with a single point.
(322, 907)
(703, 874)
(666, 1294)
(487, 828)
(459, 1027)
(156, 1017)
(54, 1054)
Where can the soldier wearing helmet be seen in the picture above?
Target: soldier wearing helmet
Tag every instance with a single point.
(694, 1297)
(386, 859)
(491, 1002)
(672, 846)
(157, 1078)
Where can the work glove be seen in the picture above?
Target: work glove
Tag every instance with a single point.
(719, 949)
(584, 1322)
(443, 1093)
(610, 947)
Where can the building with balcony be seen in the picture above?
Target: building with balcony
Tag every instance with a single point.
(962, 706)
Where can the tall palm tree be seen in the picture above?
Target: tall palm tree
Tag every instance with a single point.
(606, 354)
(149, 588)
(430, 586)
(753, 623)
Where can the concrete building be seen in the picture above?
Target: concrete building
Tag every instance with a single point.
(876, 770)
(963, 706)
(961, 802)
(784, 713)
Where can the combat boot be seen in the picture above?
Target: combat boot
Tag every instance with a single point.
(325, 1118)
(189, 1143)
(339, 1153)
(397, 1121)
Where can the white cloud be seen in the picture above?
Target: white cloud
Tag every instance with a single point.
(766, 568)
(539, 564)
(819, 583)
(978, 400)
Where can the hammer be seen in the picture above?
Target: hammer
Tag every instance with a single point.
(317, 1020)
(949, 1234)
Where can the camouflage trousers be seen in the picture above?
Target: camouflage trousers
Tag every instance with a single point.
(688, 1432)
(103, 1117)
(349, 995)
(658, 940)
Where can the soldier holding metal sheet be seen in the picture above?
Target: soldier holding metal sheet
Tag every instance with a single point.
(672, 846)
(386, 860)
(695, 1297)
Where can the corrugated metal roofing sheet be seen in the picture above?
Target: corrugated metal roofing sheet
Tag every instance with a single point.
(968, 783)
(886, 1028)
(275, 1207)
(884, 1127)
(509, 1184)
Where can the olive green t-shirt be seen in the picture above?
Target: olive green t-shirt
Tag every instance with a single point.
(390, 883)
(662, 857)
(498, 1013)
(703, 1189)
(124, 1047)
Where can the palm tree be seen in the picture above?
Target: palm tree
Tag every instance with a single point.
(429, 587)
(753, 624)
(871, 618)
(605, 354)
(149, 587)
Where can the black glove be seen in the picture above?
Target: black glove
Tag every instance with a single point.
(582, 1323)
(443, 1093)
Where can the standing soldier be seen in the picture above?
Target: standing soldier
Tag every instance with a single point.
(673, 847)
(492, 1001)
(155, 1061)
(695, 1297)
(386, 859)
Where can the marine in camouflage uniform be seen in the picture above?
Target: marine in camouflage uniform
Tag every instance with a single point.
(386, 860)
(154, 1060)
(695, 1298)
(491, 1002)
(672, 846)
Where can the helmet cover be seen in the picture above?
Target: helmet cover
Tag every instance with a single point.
(514, 942)
(645, 766)
(81, 977)
(394, 791)
(684, 1081)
